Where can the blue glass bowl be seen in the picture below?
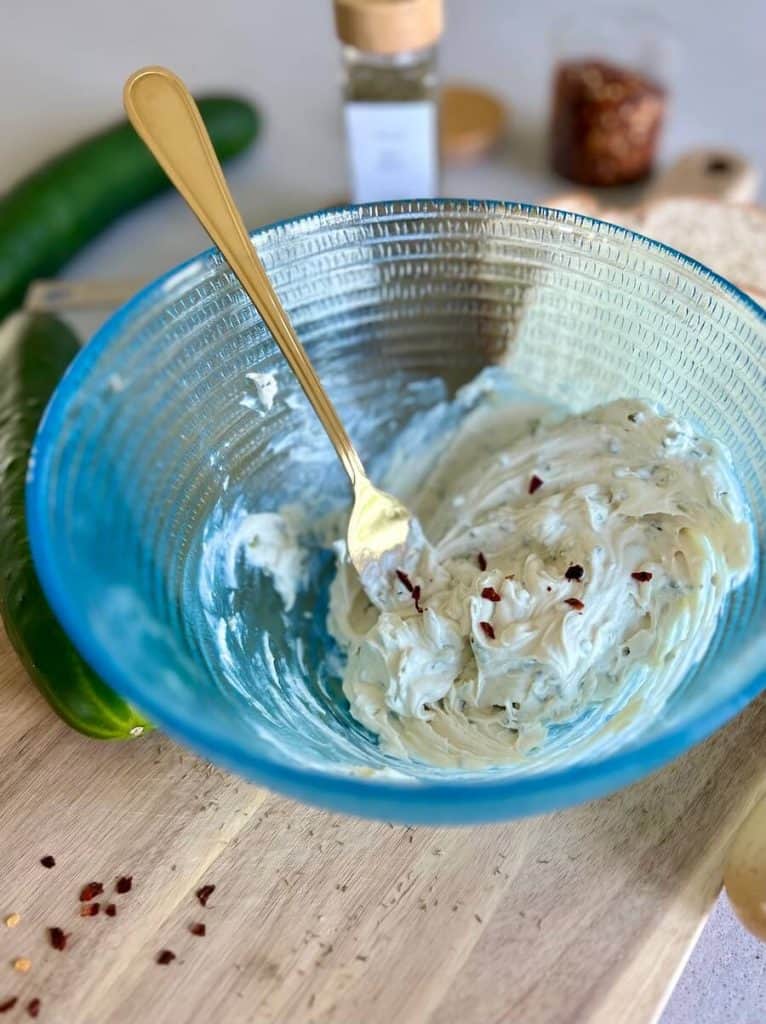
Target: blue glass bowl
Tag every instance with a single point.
(151, 443)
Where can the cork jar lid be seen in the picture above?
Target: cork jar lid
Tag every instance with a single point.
(472, 121)
(388, 26)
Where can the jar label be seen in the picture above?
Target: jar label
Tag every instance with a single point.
(392, 150)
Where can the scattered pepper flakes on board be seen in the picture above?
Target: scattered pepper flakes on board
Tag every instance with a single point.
(33, 1007)
(110, 910)
(90, 891)
(535, 483)
(197, 928)
(47, 861)
(124, 884)
(89, 909)
(165, 957)
(58, 938)
(204, 893)
(8, 1004)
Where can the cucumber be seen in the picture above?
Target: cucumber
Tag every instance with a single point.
(35, 349)
(50, 215)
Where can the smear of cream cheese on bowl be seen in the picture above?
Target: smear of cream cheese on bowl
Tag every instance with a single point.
(269, 541)
(569, 560)
(265, 389)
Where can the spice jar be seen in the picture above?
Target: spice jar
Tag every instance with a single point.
(389, 90)
(610, 88)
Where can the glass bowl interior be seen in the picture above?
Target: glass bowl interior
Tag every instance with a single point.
(152, 443)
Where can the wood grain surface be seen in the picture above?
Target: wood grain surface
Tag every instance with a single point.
(584, 915)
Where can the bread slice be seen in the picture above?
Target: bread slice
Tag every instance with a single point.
(730, 238)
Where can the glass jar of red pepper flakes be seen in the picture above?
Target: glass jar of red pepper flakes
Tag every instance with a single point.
(610, 92)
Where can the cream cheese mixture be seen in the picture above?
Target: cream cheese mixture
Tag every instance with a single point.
(567, 563)
(557, 562)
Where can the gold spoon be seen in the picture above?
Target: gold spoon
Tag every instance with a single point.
(166, 117)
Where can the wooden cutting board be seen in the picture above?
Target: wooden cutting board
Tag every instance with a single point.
(586, 915)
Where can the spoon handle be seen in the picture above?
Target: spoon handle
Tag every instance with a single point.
(166, 118)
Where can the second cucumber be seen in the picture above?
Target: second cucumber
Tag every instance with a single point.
(50, 215)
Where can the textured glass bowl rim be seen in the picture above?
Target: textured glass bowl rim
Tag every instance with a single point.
(482, 800)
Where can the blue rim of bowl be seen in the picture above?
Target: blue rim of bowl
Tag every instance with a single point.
(489, 797)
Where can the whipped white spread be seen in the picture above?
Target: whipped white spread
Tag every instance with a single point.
(561, 561)
(267, 541)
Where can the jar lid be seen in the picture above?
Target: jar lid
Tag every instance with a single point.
(388, 26)
(471, 122)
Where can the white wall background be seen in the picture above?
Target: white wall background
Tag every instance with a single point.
(62, 65)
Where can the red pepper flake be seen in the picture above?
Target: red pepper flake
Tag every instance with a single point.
(197, 928)
(58, 937)
(204, 894)
(47, 861)
(124, 884)
(8, 1004)
(404, 580)
(574, 602)
(481, 560)
(33, 1007)
(490, 594)
(90, 891)
(165, 957)
(535, 483)
(489, 629)
(413, 589)
(110, 910)
(89, 909)
(574, 572)
(642, 577)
